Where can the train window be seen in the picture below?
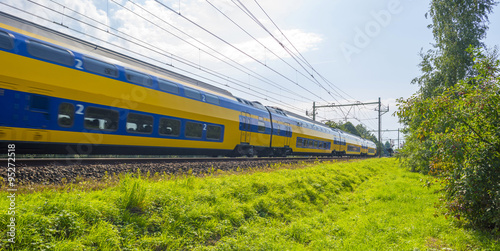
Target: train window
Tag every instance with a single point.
(261, 125)
(214, 132)
(100, 67)
(66, 115)
(320, 145)
(138, 78)
(194, 130)
(278, 130)
(310, 143)
(168, 86)
(138, 123)
(315, 144)
(192, 93)
(38, 102)
(299, 142)
(101, 119)
(50, 53)
(6, 41)
(212, 99)
(170, 127)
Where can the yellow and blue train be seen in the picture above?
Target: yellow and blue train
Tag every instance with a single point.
(59, 94)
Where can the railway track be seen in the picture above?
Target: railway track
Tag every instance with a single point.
(71, 170)
(34, 162)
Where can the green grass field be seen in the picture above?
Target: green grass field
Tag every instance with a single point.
(358, 205)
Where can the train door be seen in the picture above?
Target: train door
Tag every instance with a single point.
(279, 139)
(8, 105)
(11, 111)
(38, 112)
(37, 116)
(245, 127)
(288, 135)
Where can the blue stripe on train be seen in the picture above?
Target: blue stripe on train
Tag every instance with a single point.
(26, 114)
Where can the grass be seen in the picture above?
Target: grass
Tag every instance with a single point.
(360, 205)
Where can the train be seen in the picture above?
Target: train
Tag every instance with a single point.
(63, 95)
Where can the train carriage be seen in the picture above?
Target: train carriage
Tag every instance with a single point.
(311, 137)
(61, 101)
(372, 149)
(63, 95)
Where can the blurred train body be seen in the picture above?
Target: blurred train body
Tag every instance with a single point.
(62, 95)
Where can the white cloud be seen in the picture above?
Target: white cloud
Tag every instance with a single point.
(302, 41)
(152, 28)
(99, 14)
(209, 18)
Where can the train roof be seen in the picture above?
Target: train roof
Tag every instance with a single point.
(304, 118)
(100, 51)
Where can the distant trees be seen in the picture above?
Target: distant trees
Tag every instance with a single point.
(452, 121)
(359, 130)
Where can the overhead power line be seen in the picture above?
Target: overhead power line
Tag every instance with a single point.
(152, 48)
(242, 7)
(244, 68)
(241, 51)
(220, 79)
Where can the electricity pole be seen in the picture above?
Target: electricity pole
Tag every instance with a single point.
(379, 126)
(379, 108)
(390, 131)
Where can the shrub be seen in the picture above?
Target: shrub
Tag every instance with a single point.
(455, 135)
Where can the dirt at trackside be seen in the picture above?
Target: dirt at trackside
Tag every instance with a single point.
(57, 174)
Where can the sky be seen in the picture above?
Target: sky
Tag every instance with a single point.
(349, 50)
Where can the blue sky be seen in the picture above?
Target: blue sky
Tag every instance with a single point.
(367, 49)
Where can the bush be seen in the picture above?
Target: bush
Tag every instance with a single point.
(456, 136)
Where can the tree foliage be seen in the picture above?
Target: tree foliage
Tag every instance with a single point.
(451, 122)
(359, 130)
(456, 25)
(456, 136)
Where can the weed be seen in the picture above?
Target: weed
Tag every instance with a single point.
(133, 194)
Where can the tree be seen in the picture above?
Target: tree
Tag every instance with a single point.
(461, 128)
(456, 25)
(334, 124)
(350, 128)
(363, 132)
(448, 132)
(358, 130)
